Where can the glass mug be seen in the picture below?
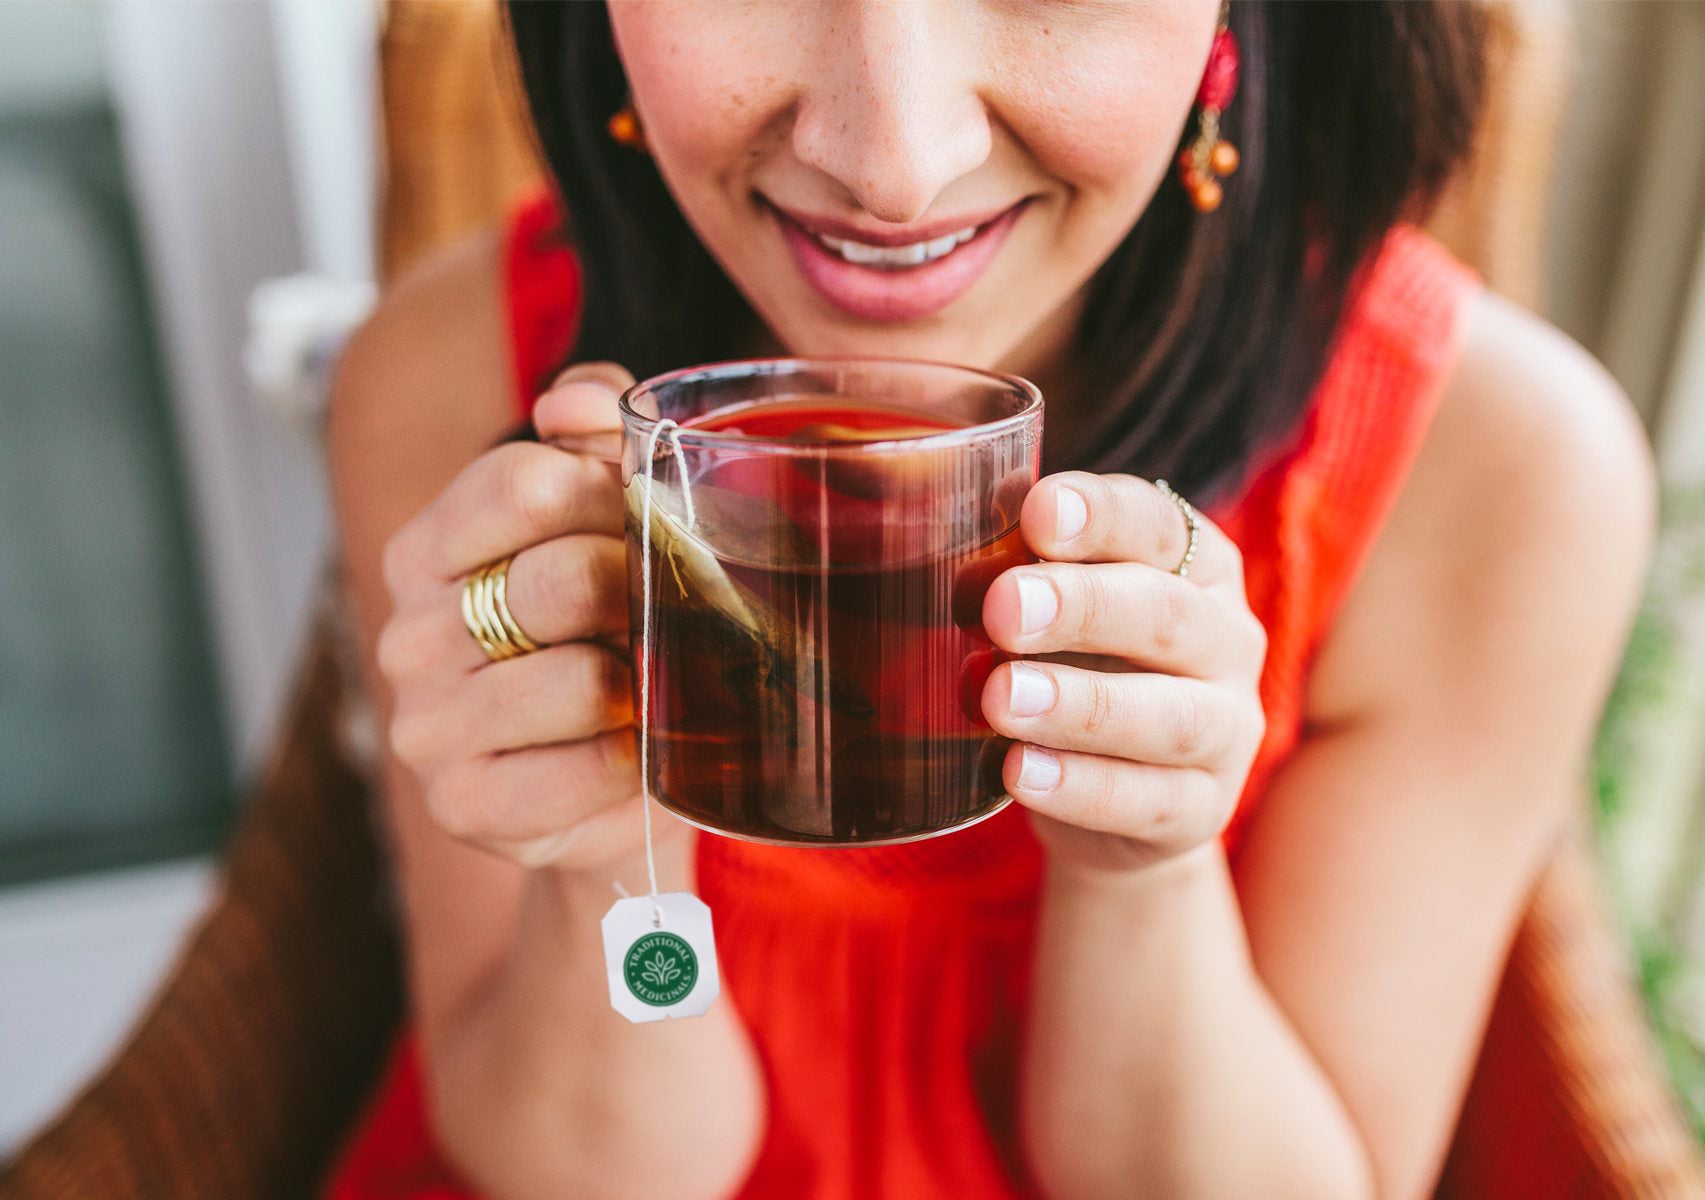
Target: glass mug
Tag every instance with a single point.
(823, 532)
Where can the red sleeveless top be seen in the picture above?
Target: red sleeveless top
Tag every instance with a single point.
(885, 987)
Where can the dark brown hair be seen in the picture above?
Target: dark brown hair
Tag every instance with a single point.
(1203, 335)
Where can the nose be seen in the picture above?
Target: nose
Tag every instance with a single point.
(894, 115)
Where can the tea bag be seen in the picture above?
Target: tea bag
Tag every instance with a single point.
(693, 535)
(695, 530)
(696, 569)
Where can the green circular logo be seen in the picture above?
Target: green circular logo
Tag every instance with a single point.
(661, 968)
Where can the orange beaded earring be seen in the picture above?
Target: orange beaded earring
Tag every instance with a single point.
(1209, 154)
(625, 129)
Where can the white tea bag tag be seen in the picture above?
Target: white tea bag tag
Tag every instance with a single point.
(660, 969)
(659, 951)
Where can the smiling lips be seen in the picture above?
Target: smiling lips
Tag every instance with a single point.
(893, 275)
(896, 257)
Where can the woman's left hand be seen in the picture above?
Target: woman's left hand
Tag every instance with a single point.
(1135, 711)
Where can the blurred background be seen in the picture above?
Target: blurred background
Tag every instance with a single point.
(190, 197)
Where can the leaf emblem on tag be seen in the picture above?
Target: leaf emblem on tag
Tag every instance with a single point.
(661, 968)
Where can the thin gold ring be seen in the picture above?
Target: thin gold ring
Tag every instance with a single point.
(488, 616)
(1192, 524)
(485, 612)
(471, 618)
(499, 576)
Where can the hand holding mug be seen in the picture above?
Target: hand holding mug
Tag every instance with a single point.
(532, 757)
(1135, 712)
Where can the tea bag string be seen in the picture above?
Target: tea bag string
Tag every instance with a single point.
(663, 426)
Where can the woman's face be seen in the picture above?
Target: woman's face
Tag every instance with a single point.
(922, 178)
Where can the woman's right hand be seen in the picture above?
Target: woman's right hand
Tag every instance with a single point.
(534, 757)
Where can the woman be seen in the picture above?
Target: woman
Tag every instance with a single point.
(1276, 817)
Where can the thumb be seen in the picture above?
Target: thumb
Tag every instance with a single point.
(581, 400)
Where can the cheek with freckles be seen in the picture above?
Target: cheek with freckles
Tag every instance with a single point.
(1099, 97)
(709, 81)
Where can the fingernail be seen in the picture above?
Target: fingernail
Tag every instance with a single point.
(1071, 514)
(1038, 771)
(1032, 691)
(1037, 604)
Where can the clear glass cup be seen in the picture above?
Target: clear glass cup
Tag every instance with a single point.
(822, 533)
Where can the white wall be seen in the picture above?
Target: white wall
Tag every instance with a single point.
(250, 151)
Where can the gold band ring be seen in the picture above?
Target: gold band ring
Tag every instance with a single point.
(485, 611)
(1192, 524)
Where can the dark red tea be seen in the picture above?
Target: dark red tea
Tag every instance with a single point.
(818, 650)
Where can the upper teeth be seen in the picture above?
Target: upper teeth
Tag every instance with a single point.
(897, 256)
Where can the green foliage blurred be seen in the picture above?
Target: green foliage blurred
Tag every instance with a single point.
(1649, 788)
